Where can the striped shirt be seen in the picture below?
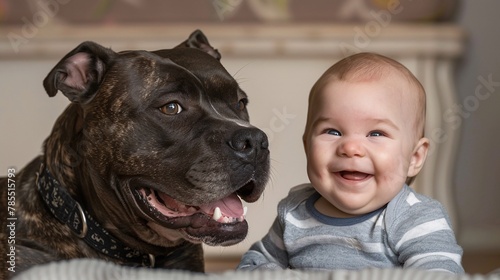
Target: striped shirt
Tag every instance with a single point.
(411, 231)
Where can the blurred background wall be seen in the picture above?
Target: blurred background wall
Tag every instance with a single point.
(478, 163)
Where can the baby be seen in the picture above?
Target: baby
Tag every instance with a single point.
(364, 142)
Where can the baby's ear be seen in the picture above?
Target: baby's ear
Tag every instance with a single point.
(418, 157)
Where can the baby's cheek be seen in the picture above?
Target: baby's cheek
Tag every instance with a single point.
(393, 167)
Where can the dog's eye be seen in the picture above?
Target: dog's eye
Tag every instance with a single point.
(242, 104)
(172, 108)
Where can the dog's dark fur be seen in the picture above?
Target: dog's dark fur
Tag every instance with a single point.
(171, 121)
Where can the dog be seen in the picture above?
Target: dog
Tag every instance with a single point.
(151, 159)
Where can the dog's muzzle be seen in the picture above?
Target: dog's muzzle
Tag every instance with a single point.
(220, 221)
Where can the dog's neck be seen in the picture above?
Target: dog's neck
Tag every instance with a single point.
(68, 211)
(60, 154)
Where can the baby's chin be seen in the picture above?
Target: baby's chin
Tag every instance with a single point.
(342, 210)
(351, 209)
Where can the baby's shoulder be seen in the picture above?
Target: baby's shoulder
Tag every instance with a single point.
(297, 195)
(412, 206)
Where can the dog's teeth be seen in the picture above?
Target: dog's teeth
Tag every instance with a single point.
(217, 214)
(245, 210)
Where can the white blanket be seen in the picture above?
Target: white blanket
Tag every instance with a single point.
(100, 270)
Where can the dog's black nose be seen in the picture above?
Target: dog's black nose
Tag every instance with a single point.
(249, 142)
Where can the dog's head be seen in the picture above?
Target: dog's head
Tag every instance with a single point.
(166, 147)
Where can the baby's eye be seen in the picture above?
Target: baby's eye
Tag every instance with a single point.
(376, 134)
(333, 132)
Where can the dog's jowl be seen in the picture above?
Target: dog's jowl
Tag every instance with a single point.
(151, 158)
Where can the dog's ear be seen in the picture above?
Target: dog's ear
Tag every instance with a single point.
(198, 40)
(79, 73)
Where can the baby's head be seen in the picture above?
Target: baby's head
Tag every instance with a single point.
(365, 67)
(364, 132)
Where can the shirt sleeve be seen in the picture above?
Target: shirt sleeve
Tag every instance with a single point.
(269, 252)
(422, 237)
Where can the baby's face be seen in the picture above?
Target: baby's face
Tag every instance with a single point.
(361, 143)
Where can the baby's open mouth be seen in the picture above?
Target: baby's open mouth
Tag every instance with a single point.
(354, 175)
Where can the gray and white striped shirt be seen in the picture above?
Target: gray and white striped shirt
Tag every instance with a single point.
(411, 231)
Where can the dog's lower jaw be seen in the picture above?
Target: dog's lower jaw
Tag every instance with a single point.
(165, 237)
(212, 234)
(169, 237)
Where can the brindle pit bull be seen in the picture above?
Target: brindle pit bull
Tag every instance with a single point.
(149, 161)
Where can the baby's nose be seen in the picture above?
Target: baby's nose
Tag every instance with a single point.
(351, 147)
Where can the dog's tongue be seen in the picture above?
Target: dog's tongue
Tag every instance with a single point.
(230, 206)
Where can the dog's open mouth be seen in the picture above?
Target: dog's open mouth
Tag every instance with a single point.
(217, 223)
(226, 210)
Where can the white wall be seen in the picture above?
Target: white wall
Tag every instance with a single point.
(27, 114)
